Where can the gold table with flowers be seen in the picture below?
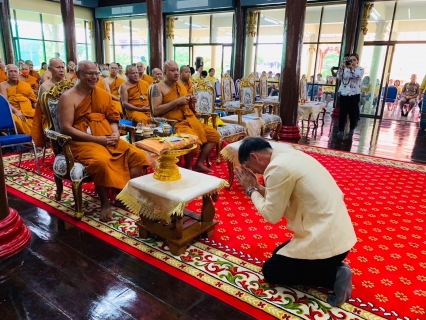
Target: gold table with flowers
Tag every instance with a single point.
(161, 206)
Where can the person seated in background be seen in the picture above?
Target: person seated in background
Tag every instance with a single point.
(157, 75)
(112, 84)
(141, 71)
(71, 75)
(57, 69)
(25, 77)
(271, 77)
(86, 113)
(20, 63)
(3, 76)
(134, 96)
(198, 73)
(172, 101)
(33, 73)
(185, 78)
(43, 68)
(312, 89)
(211, 78)
(300, 190)
(376, 93)
(421, 93)
(397, 84)
(410, 92)
(203, 76)
(120, 72)
(21, 98)
(102, 77)
(328, 89)
(273, 92)
(392, 94)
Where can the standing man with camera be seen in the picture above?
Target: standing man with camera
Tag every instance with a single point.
(350, 75)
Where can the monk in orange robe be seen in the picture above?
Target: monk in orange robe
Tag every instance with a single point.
(142, 75)
(33, 73)
(3, 76)
(185, 78)
(134, 95)
(57, 69)
(71, 75)
(25, 76)
(86, 113)
(112, 84)
(172, 101)
(157, 75)
(22, 99)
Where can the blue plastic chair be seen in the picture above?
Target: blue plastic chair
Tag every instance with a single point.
(13, 138)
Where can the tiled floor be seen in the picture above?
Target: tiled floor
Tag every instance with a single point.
(67, 273)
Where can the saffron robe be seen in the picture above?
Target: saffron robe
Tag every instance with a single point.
(21, 97)
(35, 75)
(134, 97)
(188, 86)
(114, 87)
(147, 78)
(38, 126)
(32, 82)
(187, 121)
(3, 76)
(108, 166)
(101, 83)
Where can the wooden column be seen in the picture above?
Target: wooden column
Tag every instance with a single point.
(67, 11)
(350, 31)
(156, 33)
(294, 23)
(238, 49)
(7, 34)
(98, 42)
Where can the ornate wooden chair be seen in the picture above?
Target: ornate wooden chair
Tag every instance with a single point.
(227, 85)
(263, 86)
(206, 107)
(64, 166)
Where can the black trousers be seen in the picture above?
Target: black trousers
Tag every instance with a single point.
(349, 106)
(282, 270)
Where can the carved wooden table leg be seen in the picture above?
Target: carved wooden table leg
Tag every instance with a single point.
(207, 215)
(142, 232)
(231, 173)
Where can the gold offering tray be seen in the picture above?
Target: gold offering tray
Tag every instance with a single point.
(166, 169)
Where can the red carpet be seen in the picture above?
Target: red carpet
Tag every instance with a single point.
(388, 209)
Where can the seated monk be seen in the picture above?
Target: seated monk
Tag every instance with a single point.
(21, 98)
(185, 78)
(157, 75)
(112, 85)
(3, 76)
(134, 94)
(86, 113)
(71, 74)
(142, 74)
(25, 76)
(57, 70)
(171, 101)
(103, 76)
(33, 73)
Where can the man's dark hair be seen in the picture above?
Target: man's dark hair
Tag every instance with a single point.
(192, 70)
(211, 69)
(204, 73)
(249, 145)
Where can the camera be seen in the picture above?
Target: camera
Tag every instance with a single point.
(348, 62)
(334, 68)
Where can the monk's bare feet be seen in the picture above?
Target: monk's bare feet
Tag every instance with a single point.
(106, 213)
(201, 168)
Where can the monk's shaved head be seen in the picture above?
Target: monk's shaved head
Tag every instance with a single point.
(85, 64)
(168, 64)
(113, 65)
(130, 67)
(53, 61)
(11, 67)
(182, 68)
(155, 70)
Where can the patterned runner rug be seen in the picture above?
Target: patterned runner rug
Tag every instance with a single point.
(385, 200)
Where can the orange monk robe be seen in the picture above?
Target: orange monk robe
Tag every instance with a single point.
(101, 83)
(21, 97)
(33, 83)
(187, 121)
(35, 74)
(188, 86)
(38, 126)
(3, 76)
(135, 94)
(109, 167)
(147, 78)
(114, 88)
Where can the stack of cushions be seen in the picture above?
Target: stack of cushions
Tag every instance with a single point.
(160, 145)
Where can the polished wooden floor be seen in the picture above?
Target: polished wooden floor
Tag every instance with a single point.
(67, 273)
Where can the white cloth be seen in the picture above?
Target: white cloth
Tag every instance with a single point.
(310, 108)
(251, 122)
(302, 191)
(156, 199)
(351, 81)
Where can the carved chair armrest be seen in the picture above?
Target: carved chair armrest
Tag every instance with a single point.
(130, 129)
(205, 118)
(214, 119)
(64, 142)
(240, 113)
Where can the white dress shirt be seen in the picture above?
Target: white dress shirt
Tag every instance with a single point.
(302, 191)
(351, 81)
